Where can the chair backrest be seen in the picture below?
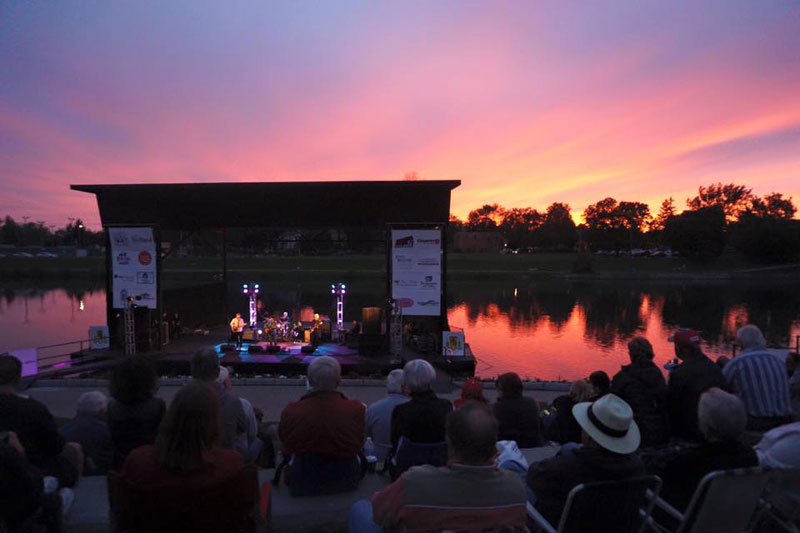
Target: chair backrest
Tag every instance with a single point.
(725, 500)
(226, 506)
(622, 505)
(783, 493)
(418, 453)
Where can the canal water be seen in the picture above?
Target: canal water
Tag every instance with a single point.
(545, 330)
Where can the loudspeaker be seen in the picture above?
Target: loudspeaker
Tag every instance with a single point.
(255, 348)
(308, 348)
(227, 348)
(371, 320)
(273, 348)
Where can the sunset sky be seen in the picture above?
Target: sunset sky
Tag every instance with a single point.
(527, 102)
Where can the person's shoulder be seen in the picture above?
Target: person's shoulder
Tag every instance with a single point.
(425, 472)
(147, 454)
(229, 457)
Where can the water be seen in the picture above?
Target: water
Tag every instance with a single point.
(545, 330)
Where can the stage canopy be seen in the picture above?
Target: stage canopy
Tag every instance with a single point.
(194, 206)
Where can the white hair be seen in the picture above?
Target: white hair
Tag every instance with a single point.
(395, 380)
(721, 416)
(92, 403)
(223, 375)
(324, 373)
(750, 337)
(418, 375)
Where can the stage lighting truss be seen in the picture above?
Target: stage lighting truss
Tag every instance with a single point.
(339, 291)
(252, 290)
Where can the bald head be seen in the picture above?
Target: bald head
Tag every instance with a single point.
(472, 434)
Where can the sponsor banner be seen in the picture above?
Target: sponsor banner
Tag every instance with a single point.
(453, 344)
(98, 337)
(417, 271)
(29, 357)
(133, 266)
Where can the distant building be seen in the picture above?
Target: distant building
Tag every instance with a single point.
(478, 241)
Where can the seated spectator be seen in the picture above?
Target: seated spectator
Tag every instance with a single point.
(780, 447)
(793, 371)
(759, 379)
(233, 421)
(323, 434)
(601, 384)
(36, 429)
(471, 390)
(420, 422)
(89, 428)
(470, 493)
(21, 488)
(248, 443)
(609, 439)
(723, 360)
(641, 384)
(134, 412)
(687, 381)
(561, 425)
(379, 414)
(517, 415)
(183, 467)
(721, 418)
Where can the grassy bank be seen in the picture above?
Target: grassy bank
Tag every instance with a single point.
(460, 266)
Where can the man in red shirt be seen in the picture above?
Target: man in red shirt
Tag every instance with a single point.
(323, 433)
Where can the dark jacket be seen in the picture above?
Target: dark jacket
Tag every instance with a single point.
(563, 427)
(35, 427)
(91, 432)
(681, 472)
(686, 383)
(133, 425)
(643, 386)
(518, 420)
(422, 419)
(552, 479)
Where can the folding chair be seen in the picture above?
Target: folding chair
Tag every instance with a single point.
(782, 501)
(727, 501)
(620, 506)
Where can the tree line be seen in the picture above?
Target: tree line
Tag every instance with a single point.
(719, 217)
(74, 233)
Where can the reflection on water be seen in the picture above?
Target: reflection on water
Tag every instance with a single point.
(547, 330)
(562, 330)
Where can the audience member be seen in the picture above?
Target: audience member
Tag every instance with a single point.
(759, 379)
(641, 384)
(687, 381)
(184, 465)
(89, 428)
(470, 493)
(517, 415)
(721, 419)
(780, 447)
(723, 360)
(471, 390)
(601, 384)
(379, 414)
(36, 429)
(248, 443)
(420, 422)
(134, 412)
(793, 371)
(561, 425)
(609, 439)
(233, 421)
(323, 434)
(21, 488)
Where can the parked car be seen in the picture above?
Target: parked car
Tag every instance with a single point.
(22, 254)
(46, 254)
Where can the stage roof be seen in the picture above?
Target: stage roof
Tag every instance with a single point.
(189, 206)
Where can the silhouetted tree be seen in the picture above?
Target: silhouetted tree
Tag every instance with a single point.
(558, 230)
(732, 199)
(773, 205)
(487, 217)
(698, 234)
(666, 210)
(767, 239)
(519, 224)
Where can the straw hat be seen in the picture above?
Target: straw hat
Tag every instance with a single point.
(609, 421)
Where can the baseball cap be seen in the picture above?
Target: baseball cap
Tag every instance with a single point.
(685, 337)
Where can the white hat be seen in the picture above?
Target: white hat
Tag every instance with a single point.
(609, 422)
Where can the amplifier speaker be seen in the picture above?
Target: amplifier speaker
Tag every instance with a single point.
(371, 320)
(273, 348)
(309, 348)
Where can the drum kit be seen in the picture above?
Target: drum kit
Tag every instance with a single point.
(279, 330)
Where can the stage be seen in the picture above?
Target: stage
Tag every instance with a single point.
(254, 359)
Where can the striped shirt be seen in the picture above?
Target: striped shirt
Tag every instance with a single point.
(759, 379)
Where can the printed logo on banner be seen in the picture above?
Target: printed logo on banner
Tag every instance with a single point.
(428, 302)
(405, 283)
(123, 258)
(123, 277)
(144, 278)
(428, 261)
(145, 258)
(405, 302)
(429, 241)
(404, 242)
(120, 239)
(142, 239)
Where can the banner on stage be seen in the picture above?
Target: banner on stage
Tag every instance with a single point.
(453, 344)
(417, 271)
(98, 337)
(133, 266)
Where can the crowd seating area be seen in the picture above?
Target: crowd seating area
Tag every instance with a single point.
(700, 445)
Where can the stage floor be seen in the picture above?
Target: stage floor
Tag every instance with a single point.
(254, 359)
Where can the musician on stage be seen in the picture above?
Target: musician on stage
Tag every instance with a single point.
(237, 328)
